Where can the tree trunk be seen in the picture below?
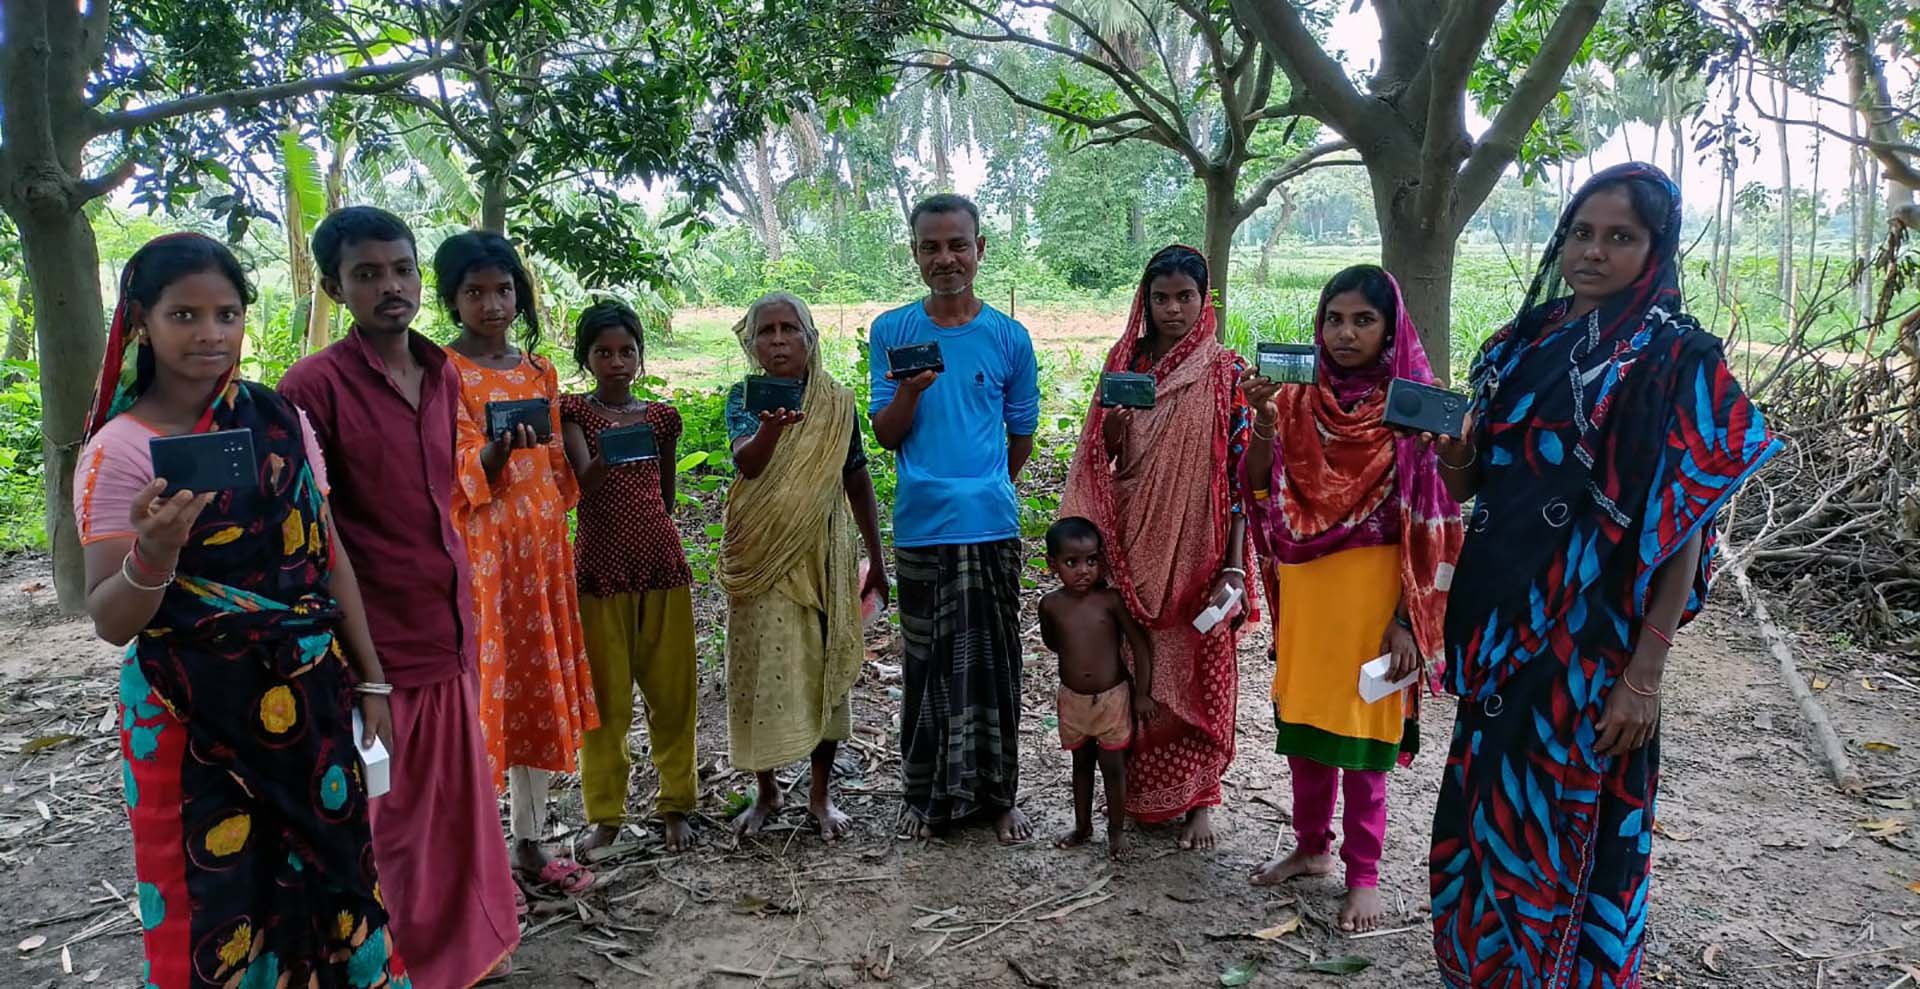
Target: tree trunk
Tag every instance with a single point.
(1422, 262)
(1136, 223)
(1217, 242)
(768, 195)
(63, 264)
(937, 134)
(1784, 257)
(493, 204)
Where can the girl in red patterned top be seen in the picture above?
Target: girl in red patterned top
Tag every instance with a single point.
(636, 599)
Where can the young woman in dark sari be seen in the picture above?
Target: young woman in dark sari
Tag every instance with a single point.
(250, 839)
(1607, 433)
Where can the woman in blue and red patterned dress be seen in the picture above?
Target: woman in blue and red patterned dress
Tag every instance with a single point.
(1607, 433)
(247, 654)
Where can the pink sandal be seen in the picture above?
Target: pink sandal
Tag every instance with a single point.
(566, 875)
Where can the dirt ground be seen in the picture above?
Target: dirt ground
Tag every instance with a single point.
(1766, 875)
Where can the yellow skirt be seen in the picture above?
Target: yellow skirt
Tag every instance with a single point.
(1328, 622)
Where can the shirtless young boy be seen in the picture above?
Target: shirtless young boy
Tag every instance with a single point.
(1083, 623)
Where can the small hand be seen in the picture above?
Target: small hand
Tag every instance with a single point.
(519, 436)
(1238, 583)
(778, 420)
(377, 718)
(876, 583)
(1263, 397)
(1114, 430)
(1144, 706)
(1629, 719)
(163, 525)
(916, 383)
(1459, 451)
(1399, 643)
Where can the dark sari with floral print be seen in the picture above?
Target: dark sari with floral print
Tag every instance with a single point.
(252, 849)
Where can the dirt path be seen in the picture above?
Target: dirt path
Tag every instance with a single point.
(1760, 862)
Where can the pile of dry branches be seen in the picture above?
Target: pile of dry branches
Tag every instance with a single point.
(1833, 525)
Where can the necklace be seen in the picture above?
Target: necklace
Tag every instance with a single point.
(627, 406)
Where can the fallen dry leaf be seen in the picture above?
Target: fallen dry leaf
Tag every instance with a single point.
(1883, 829)
(1866, 684)
(1880, 746)
(1893, 803)
(1820, 683)
(1912, 887)
(33, 942)
(1711, 959)
(1280, 930)
(66, 960)
(45, 811)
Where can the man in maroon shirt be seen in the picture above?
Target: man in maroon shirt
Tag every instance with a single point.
(382, 402)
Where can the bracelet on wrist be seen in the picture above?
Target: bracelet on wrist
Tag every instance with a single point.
(1636, 688)
(127, 574)
(372, 688)
(1234, 570)
(1473, 457)
(1654, 630)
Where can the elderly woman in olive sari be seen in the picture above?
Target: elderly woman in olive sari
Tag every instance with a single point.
(790, 566)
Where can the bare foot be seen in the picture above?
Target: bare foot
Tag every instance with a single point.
(1273, 872)
(1013, 827)
(756, 817)
(679, 832)
(1075, 838)
(1198, 834)
(833, 824)
(1119, 848)
(597, 837)
(1361, 910)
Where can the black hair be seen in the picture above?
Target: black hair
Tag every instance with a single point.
(1371, 281)
(476, 250)
(945, 202)
(344, 228)
(604, 315)
(1652, 203)
(164, 260)
(1071, 527)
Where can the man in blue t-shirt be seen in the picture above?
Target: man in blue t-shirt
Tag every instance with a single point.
(961, 435)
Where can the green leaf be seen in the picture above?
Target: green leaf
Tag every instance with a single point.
(46, 742)
(306, 189)
(690, 461)
(1343, 965)
(715, 530)
(1240, 973)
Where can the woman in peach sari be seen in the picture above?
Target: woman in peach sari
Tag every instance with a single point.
(1163, 486)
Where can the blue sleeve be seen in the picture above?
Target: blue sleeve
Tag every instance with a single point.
(1022, 402)
(880, 387)
(740, 422)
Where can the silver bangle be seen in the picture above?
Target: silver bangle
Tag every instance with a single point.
(1473, 457)
(373, 689)
(126, 574)
(1234, 570)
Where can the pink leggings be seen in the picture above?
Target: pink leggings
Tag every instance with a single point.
(1314, 786)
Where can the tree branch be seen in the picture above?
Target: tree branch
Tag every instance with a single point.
(462, 134)
(1141, 92)
(1300, 164)
(1499, 146)
(391, 75)
(1313, 73)
(87, 190)
(1462, 33)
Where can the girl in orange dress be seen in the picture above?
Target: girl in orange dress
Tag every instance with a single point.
(515, 489)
